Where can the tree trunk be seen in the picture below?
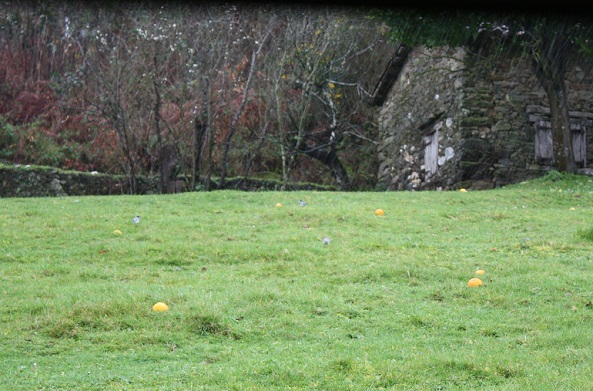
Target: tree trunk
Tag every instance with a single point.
(331, 160)
(208, 141)
(561, 133)
(549, 57)
(115, 114)
(256, 150)
(200, 130)
(132, 167)
(232, 127)
(132, 178)
(163, 179)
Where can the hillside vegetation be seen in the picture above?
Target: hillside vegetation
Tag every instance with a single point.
(200, 90)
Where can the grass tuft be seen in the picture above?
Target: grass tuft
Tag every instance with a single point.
(208, 325)
(586, 233)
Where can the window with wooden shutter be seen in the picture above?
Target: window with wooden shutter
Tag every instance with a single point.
(539, 116)
(431, 153)
(544, 145)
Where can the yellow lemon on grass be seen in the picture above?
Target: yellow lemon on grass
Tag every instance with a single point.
(480, 272)
(117, 232)
(279, 205)
(160, 307)
(474, 282)
(379, 212)
(573, 208)
(463, 190)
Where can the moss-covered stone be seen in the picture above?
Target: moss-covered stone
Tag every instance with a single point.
(41, 181)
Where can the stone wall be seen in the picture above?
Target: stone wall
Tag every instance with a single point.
(424, 103)
(451, 121)
(40, 181)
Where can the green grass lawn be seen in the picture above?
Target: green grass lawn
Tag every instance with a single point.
(258, 302)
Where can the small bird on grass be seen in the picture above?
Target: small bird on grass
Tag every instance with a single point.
(326, 240)
(302, 203)
(136, 219)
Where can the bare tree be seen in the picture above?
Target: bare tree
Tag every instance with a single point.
(253, 65)
(108, 59)
(324, 66)
(206, 90)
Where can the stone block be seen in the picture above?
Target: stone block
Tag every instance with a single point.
(476, 121)
(475, 149)
(481, 185)
(501, 126)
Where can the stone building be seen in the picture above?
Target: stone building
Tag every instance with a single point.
(450, 120)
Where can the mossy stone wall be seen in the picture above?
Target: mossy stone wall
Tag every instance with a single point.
(472, 116)
(40, 181)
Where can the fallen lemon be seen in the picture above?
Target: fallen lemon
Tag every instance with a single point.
(117, 231)
(474, 282)
(379, 212)
(160, 307)
(279, 205)
(463, 190)
(480, 272)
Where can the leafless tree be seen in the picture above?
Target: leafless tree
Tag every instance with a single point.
(219, 89)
